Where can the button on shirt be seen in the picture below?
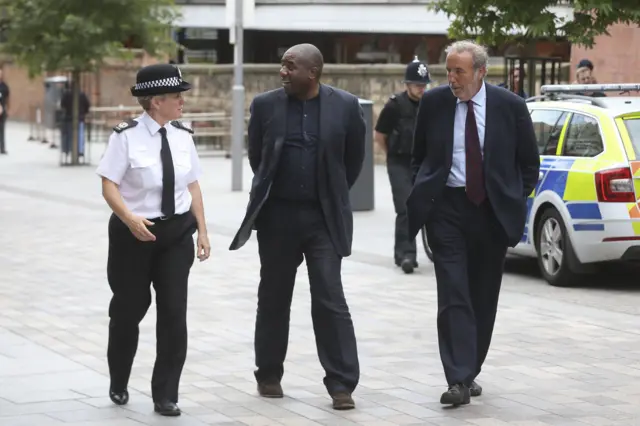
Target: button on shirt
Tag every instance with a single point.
(132, 161)
(296, 176)
(457, 176)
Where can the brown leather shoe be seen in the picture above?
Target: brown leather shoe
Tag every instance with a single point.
(270, 389)
(343, 401)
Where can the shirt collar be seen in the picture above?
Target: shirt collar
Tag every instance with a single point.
(480, 98)
(151, 124)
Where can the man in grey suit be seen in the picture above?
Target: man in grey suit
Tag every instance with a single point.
(306, 148)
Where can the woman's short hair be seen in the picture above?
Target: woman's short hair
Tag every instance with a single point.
(145, 101)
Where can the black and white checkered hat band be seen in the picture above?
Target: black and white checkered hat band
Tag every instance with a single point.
(165, 82)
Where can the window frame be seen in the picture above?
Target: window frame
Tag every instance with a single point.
(561, 145)
(563, 128)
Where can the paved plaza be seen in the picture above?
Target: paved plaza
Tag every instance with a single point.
(559, 356)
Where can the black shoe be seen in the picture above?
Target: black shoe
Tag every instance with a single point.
(475, 389)
(407, 266)
(456, 395)
(119, 398)
(166, 408)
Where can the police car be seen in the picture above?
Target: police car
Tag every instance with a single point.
(585, 208)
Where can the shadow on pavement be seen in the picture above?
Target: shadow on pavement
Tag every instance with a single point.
(611, 276)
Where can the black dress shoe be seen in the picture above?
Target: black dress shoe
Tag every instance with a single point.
(119, 398)
(456, 395)
(475, 389)
(166, 408)
(407, 266)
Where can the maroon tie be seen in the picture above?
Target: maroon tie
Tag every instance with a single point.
(475, 176)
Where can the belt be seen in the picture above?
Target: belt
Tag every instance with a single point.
(165, 218)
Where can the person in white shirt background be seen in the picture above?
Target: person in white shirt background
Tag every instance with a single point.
(150, 171)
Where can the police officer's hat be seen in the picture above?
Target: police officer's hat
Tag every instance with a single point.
(159, 79)
(417, 72)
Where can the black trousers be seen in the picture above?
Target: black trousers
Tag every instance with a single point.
(132, 266)
(399, 170)
(469, 247)
(3, 121)
(287, 232)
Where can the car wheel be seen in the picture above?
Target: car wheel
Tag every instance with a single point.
(554, 249)
(425, 244)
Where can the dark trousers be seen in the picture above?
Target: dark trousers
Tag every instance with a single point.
(469, 247)
(287, 232)
(399, 170)
(132, 266)
(3, 121)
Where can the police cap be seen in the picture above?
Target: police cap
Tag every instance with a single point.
(159, 79)
(417, 72)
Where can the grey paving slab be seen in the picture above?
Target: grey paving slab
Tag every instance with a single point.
(559, 356)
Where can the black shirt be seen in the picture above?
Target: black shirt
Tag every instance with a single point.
(296, 178)
(390, 115)
(66, 104)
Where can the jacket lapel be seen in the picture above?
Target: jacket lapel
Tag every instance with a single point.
(279, 118)
(451, 103)
(278, 126)
(489, 122)
(326, 101)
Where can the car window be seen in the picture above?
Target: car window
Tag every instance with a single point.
(547, 124)
(583, 137)
(633, 128)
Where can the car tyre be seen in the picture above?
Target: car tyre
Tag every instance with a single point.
(554, 250)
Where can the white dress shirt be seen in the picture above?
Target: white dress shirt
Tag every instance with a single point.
(458, 175)
(132, 161)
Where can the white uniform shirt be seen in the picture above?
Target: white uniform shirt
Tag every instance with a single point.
(132, 161)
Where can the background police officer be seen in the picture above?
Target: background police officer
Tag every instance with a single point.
(394, 134)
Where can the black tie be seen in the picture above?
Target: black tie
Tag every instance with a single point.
(168, 177)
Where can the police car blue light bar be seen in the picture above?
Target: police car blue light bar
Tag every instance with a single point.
(581, 88)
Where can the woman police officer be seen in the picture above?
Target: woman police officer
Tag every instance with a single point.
(150, 173)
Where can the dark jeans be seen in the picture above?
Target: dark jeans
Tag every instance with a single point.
(66, 135)
(288, 232)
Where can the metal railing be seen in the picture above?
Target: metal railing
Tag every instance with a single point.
(212, 130)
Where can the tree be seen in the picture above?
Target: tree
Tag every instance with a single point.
(78, 35)
(495, 21)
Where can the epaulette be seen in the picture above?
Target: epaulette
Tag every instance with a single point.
(180, 125)
(128, 124)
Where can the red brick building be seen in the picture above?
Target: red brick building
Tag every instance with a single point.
(616, 58)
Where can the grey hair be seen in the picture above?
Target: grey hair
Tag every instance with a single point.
(478, 53)
(145, 101)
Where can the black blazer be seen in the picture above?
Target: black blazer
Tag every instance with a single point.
(341, 147)
(511, 159)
